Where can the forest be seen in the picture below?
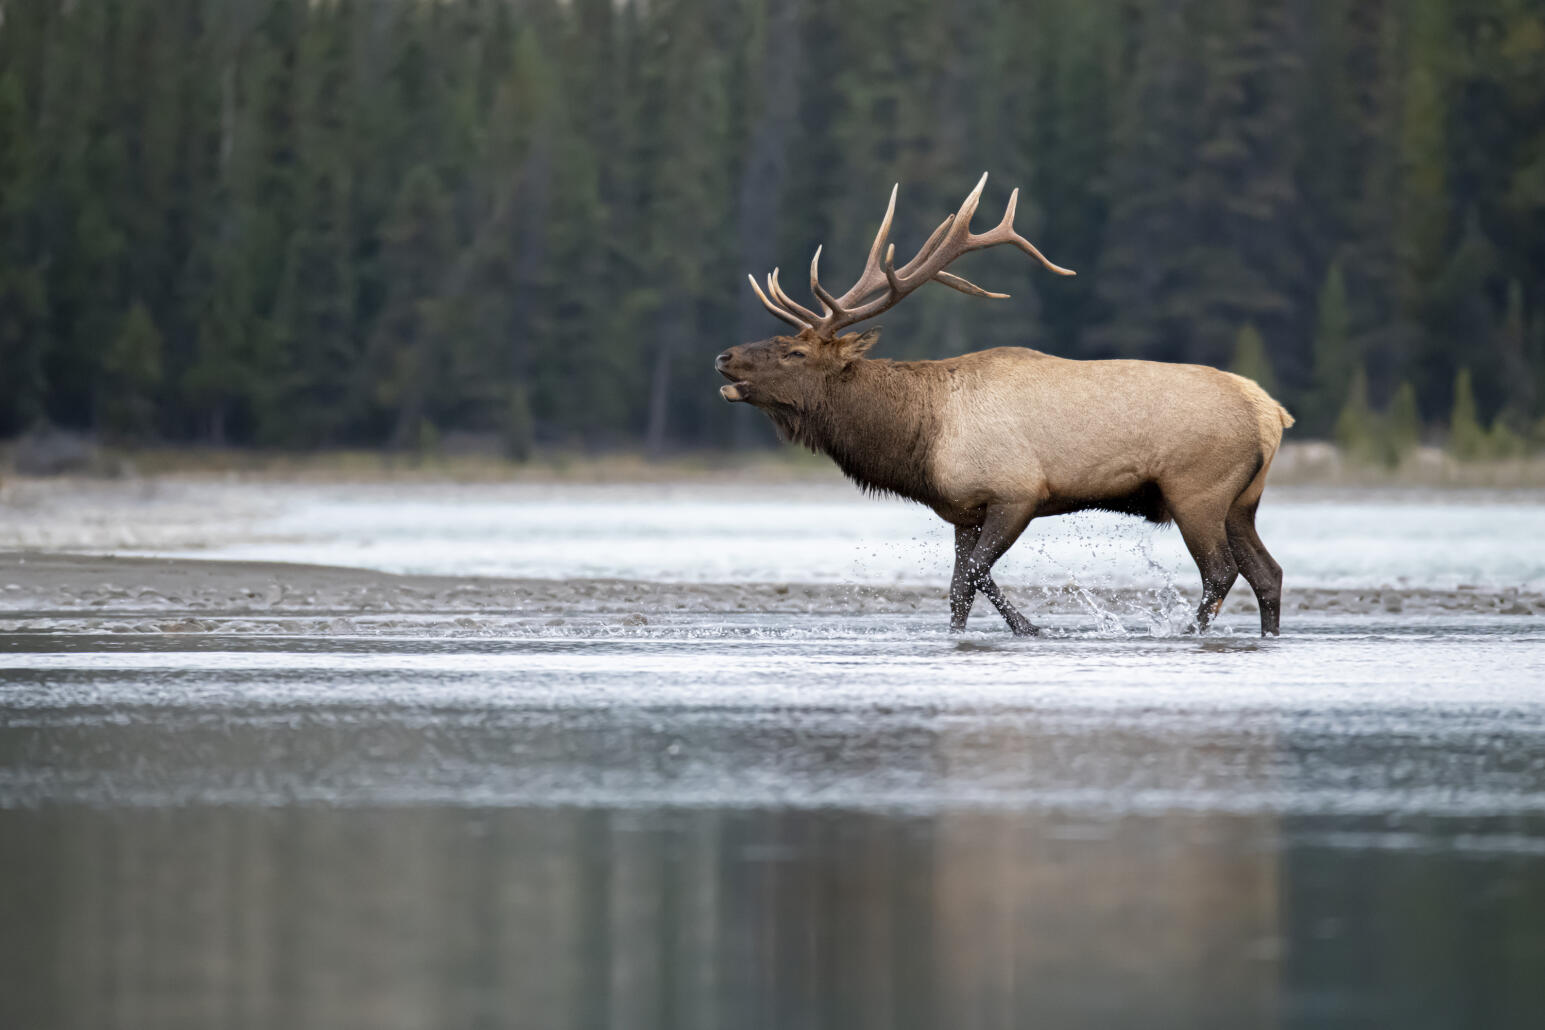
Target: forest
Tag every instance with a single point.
(376, 223)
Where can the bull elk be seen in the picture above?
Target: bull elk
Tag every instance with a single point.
(992, 439)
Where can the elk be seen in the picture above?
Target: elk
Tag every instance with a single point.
(992, 439)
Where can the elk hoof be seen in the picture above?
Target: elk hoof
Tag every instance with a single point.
(1024, 628)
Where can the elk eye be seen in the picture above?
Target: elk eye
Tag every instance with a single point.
(796, 353)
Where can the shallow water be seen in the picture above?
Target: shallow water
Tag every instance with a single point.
(771, 820)
(240, 808)
(773, 533)
(841, 536)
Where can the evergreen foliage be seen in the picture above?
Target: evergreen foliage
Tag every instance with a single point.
(1250, 359)
(1466, 437)
(381, 222)
(1357, 429)
(129, 376)
(1402, 424)
(1334, 357)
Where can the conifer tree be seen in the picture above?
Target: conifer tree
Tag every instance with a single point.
(1334, 356)
(1250, 359)
(1466, 437)
(1520, 395)
(315, 349)
(23, 302)
(130, 375)
(1356, 427)
(407, 353)
(1402, 424)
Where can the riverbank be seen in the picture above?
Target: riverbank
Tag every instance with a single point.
(1307, 463)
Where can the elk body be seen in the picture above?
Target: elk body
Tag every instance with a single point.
(993, 439)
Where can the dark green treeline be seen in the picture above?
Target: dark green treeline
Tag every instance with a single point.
(368, 222)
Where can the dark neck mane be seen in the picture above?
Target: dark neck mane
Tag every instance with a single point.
(877, 423)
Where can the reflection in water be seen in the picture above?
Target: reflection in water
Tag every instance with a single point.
(818, 827)
(413, 917)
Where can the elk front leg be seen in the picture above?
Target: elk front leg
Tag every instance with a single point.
(962, 592)
(1003, 525)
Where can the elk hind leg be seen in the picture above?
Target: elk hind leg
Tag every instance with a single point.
(1206, 536)
(1260, 570)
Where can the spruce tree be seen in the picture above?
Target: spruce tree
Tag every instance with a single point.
(24, 335)
(407, 352)
(1356, 427)
(314, 394)
(1239, 264)
(1467, 439)
(1402, 424)
(1250, 359)
(1335, 358)
(130, 374)
(1140, 264)
(1520, 397)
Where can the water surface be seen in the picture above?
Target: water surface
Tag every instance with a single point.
(770, 533)
(691, 816)
(777, 821)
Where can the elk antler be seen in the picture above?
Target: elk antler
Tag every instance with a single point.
(952, 239)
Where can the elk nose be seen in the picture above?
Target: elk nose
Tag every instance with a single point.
(722, 360)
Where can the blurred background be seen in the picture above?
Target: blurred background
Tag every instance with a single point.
(603, 712)
(526, 224)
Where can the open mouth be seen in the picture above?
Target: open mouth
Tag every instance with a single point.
(736, 390)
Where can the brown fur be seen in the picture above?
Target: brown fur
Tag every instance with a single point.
(994, 438)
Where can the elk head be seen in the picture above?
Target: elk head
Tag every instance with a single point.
(782, 371)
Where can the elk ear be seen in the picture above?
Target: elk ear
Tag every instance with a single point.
(855, 345)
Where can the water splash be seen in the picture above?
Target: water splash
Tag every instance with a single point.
(1170, 615)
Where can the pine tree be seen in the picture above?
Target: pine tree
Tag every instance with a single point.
(23, 302)
(1519, 396)
(1467, 439)
(1334, 356)
(314, 394)
(1238, 261)
(1068, 151)
(1356, 428)
(518, 435)
(1140, 265)
(407, 352)
(1250, 359)
(130, 375)
(1402, 424)
(217, 379)
(691, 201)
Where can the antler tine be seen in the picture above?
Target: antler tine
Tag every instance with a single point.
(872, 278)
(1006, 233)
(1006, 223)
(929, 246)
(776, 289)
(834, 310)
(775, 309)
(957, 240)
(1030, 248)
(966, 286)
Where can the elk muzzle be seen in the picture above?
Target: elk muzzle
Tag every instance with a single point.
(735, 391)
